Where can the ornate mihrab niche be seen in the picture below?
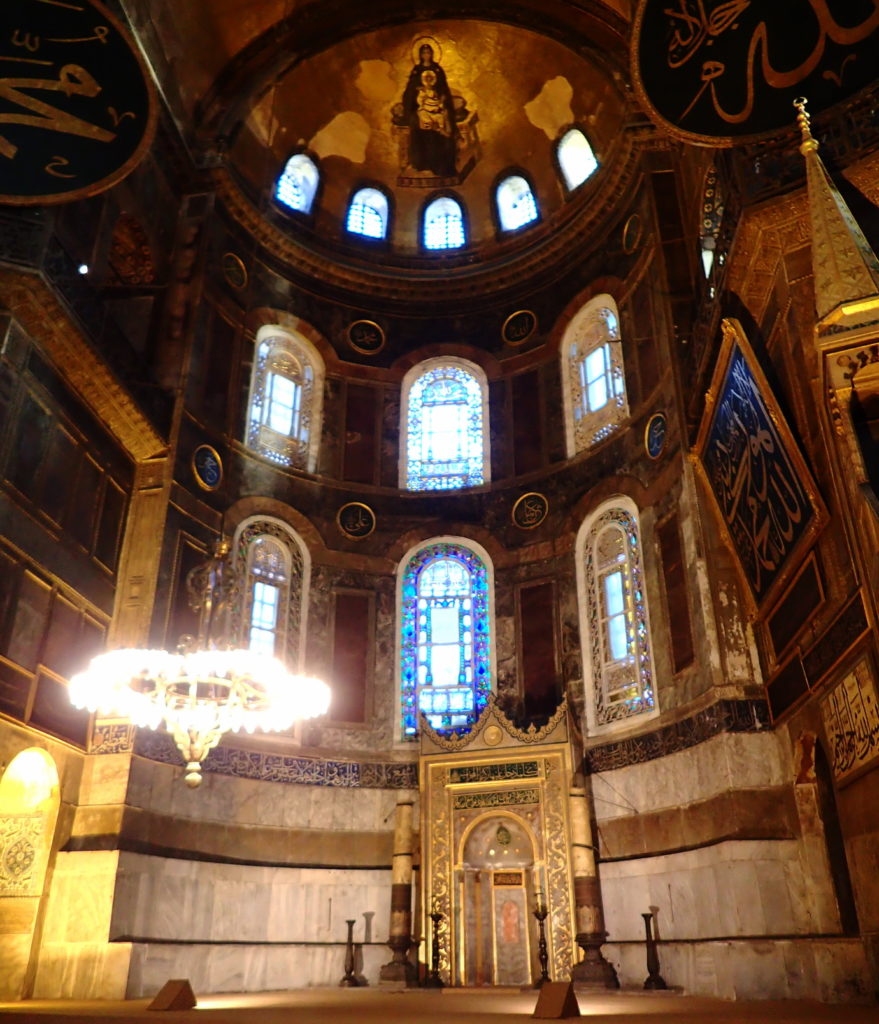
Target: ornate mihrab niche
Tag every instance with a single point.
(495, 821)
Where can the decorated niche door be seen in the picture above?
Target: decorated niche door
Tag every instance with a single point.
(496, 884)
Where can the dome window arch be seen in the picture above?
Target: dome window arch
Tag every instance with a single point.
(286, 399)
(368, 213)
(594, 384)
(297, 185)
(444, 426)
(515, 203)
(614, 620)
(270, 609)
(442, 224)
(445, 595)
(575, 158)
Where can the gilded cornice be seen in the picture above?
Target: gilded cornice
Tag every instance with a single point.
(32, 303)
(494, 731)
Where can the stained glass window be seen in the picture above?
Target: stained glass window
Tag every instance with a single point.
(443, 224)
(616, 635)
(297, 184)
(267, 611)
(516, 206)
(444, 416)
(445, 645)
(284, 409)
(576, 159)
(592, 368)
(368, 213)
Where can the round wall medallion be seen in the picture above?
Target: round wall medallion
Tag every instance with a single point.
(654, 435)
(207, 467)
(492, 735)
(366, 337)
(356, 520)
(633, 229)
(78, 106)
(234, 270)
(530, 510)
(519, 326)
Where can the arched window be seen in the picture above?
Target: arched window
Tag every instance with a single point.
(516, 206)
(444, 426)
(592, 373)
(368, 213)
(445, 594)
(615, 629)
(298, 183)
(443, 224)
(575, 157)
(269, 613)
(286, 392)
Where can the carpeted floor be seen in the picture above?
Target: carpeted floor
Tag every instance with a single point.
(456, 1006)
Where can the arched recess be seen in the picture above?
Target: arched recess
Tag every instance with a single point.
(271, 608)
(29, 801)
(618, 668)
(499, 877)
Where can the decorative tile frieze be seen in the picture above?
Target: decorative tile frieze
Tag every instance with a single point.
(505, 798)
(494, 772)
(724, 716)
(268, 767)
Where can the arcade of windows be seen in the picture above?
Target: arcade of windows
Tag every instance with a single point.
(443, 220)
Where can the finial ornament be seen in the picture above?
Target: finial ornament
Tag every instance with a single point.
(803, 121)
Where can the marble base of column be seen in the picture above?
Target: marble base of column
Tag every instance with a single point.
(593, 971)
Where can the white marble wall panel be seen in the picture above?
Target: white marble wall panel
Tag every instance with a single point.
(734, 888)
(240, 968)
(727, 762)
(193, 901)
(224, 798)
(832, 970)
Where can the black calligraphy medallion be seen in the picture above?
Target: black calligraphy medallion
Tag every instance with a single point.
(366, 337)
(530, 510)
(718, 72)
(519, 326)
(207, 467)
(77, 109)
(356, 520)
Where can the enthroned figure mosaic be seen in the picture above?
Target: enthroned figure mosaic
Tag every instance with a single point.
(437, 137)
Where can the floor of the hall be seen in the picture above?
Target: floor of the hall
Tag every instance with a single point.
(450, 1006)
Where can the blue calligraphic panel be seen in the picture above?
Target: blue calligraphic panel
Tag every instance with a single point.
(756, 476)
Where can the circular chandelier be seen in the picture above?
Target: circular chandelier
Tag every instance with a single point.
(208, 687)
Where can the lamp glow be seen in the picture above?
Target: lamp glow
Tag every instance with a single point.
(205, 689)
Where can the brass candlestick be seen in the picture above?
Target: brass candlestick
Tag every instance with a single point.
(540, 913)
(434, 980)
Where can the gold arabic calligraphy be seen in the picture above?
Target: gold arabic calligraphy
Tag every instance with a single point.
(694, 27)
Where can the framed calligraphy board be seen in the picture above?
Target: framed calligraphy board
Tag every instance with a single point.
(77, 107)
(720, 72)
(850, 713)
(769, 506)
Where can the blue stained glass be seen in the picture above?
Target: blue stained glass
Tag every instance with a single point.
(442, 586)
(444, 435)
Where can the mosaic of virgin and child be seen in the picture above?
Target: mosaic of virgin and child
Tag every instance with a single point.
(432, 115)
